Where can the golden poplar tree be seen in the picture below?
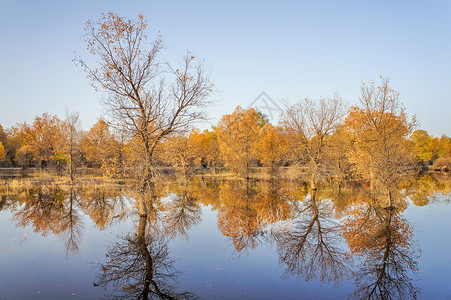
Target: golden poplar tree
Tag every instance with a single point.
(272, 147)
(2, 152)
(44, 139)
(238, 138)
(378, 131)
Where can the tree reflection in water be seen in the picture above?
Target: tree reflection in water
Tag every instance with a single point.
(59, 210)
(139, 266)
(237, 215)
(310, 245)
(71, 223)
(247, 209)
(105, 205)
(52, 210)
(182, 211)
(311, 242)
(382, 239)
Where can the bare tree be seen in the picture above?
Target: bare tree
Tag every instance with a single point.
(72, 124)
(310, 123)
(140, 100)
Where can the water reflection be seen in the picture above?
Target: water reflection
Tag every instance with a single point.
(182, 211)
(238, 215)
(139, 266)
(104, 204)
(53, 211)
(383, 241)
(59, 210)
(310, 244)
(318, 235)
(429, 189)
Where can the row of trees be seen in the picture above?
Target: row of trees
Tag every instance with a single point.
(373, 140)
(48, 139)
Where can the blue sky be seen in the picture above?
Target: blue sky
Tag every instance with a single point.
(289, 49)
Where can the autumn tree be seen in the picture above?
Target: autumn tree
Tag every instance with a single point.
(2, 152)
(140, 98)
(378, 130)
(238, 137)
(423, 145)
(431, 150)
(102, 149)
(272, 147)
(44, 139)
(207, 148)
(443, 147)
(95, 140)
(11, 142)
(337, 164)
(3, 139)
(309, 123)
(180, 152)
(72, 132)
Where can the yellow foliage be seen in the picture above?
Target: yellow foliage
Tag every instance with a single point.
(380, 149)
(2, 151)
(238, 137)
(272, 145)
(44, 139)
(206, 147)
(179, 151)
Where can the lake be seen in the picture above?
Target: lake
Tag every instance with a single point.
(213, 238)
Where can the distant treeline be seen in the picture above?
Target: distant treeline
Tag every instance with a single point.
(242, 140)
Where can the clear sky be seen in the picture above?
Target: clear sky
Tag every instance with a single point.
(289, 49)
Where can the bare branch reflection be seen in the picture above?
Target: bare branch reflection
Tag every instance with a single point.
(310, 245)
(72, 224)
(182, 212)
(140, 267)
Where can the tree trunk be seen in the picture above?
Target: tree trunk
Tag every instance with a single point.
(313, 182)
(71, 169)
(389, 199)
(146, 180)
(314, 174)
(149, 261)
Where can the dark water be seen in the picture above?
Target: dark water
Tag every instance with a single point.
(216, 239)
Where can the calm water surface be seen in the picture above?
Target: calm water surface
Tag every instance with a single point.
(217, 239)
